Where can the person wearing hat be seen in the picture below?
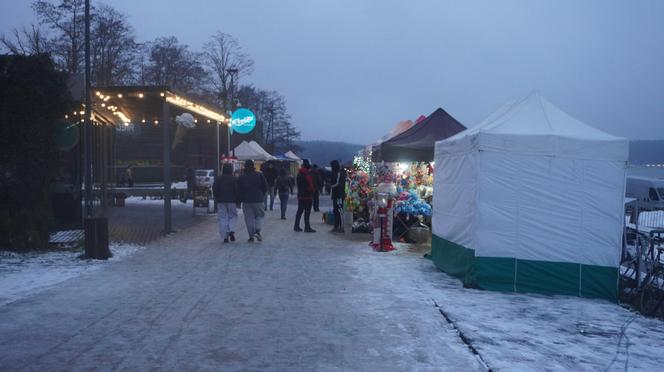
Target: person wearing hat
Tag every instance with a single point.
(252, 187)
(305, 195)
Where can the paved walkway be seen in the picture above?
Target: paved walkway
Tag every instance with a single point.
(295, 301)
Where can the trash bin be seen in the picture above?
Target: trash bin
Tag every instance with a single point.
(96, 238)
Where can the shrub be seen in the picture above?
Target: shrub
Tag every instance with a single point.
(33, 97)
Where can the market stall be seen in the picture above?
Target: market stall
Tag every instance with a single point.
(405, 157)
(417, 142)
(531, 200)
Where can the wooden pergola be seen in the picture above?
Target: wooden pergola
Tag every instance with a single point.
(155, 105)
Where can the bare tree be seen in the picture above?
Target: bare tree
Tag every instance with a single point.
(222, 53)
(25, 41)
(67, 20)
(114, 48)
(173, 64)
(277, 133)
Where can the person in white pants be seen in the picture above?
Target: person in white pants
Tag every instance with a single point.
(225, 191)
(252, 187)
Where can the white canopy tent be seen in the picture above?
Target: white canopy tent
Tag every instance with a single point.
(531, 200)
(291, 155)
(252, 150)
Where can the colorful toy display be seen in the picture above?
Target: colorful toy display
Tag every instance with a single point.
(358, 192)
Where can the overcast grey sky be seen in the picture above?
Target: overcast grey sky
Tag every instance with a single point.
(351, 69)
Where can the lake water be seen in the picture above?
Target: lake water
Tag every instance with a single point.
(645, 171)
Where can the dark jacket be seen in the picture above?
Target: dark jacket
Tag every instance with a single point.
(305, 185)
(252, 186)
(317, 177)
(284, 184)
(225, 189)
(338, 186)
(270, 175)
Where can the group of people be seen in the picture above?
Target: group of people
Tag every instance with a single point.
(252, 189)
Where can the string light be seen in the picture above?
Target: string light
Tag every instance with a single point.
(123, 117)
(190, 106)
(161, 94)
(120, 95)
(140, 95)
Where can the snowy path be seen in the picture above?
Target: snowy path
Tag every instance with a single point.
(293, 302)
(308, 302)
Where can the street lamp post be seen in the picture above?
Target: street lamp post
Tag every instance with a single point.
(232, 72)
(87, 124)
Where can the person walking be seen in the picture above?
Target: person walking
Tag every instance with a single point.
(130, 176)
(305, 194)
(226, 196)
(317, 178)
(284, 187)
(270, 176)
(252, 186)
(338, 190)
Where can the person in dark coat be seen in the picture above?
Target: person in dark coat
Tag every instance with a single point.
(305, 195)
(317, 178)
(338, 190)
(226, 196)
(252, 186)
(327, 180)
(270, 176)
(284, 187)
(190, 177)
(130, 176)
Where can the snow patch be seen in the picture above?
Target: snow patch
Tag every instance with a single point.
(25, 274)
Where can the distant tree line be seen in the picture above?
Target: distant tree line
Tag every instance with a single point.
(117, 58)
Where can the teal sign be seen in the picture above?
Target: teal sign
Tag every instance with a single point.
(243, 121)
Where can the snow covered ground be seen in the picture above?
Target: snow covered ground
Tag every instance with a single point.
(321, 298)
(25, 274)
(531, 332)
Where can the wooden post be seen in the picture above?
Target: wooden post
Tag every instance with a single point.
(166, 127)
(104, 167)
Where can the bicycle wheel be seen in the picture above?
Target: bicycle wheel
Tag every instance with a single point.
(627, 283)
(652, 297)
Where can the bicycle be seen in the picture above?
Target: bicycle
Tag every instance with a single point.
(652, 292)
(633, 265)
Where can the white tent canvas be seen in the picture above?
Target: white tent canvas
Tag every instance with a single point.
(266, 155)
(251, 150)
(531, 200)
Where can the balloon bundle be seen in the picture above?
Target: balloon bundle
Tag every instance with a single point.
(409, 202)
